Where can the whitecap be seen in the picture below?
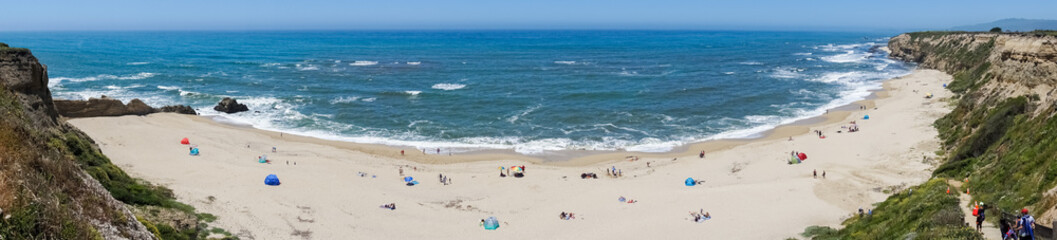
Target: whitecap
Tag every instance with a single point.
(344, 99)
(448, 86)
(363, 63)
(787, 72)
(565, 62)
(414, 63)
(137, 63)
(803, 54)
(412, 93)
(168, 87)
(56, 80)
(369, 99)
(270, 64)
(306, 67)
(750, 63)
(846, 57)
(729, 73)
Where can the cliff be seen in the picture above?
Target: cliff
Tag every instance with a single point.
(45, 193)
(1000, 138)
(56, 184)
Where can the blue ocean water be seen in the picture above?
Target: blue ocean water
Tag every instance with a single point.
(530, 91)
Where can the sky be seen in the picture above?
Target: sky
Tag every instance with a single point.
(894, 15)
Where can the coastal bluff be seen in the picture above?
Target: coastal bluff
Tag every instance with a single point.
(48, 193)
(998, 143)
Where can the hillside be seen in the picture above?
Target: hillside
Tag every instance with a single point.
(56, 184)
(1001, 136)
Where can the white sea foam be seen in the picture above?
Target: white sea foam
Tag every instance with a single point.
(849, 56)
(414, 63)
(369, 99)
(56, 80)
(565, 62)
(729, 73)
(168, 87)
(137, 63)
(270, 64)
(787, 72)
(363, 63)
(344, 99)
(412, 93)
(803, 54)
(515, 117)
(448, 86)
(750, 63)
(306, 67)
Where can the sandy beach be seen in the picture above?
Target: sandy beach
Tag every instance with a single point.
(750, 190)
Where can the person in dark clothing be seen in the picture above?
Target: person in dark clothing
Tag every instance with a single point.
(980, 218)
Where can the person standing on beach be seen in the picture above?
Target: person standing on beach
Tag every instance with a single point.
(401, 152)
(815, 172)
(823, 174)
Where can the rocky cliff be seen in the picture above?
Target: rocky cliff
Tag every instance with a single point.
(44, 192)
(1001, 136)
(993, 65)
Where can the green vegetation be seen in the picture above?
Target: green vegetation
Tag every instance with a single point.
(1004, 145)
(51, 200)
(4, 48)
(996, 30)
(928, 213)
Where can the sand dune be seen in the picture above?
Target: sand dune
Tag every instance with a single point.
(750, 190)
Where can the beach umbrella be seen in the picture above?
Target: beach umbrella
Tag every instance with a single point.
(802, 156)
(185, 141)
(408, 179)
(690, 182)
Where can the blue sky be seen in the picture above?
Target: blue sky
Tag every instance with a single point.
(50, 15)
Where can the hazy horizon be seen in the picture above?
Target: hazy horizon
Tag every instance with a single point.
(772, 15)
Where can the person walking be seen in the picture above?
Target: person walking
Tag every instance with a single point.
(815, 172)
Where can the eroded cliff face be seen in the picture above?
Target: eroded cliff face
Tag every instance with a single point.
(44, 193)
(1002, 134)
(1004, 65)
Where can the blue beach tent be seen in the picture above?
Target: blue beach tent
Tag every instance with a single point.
(491, 223)
(867, 117)
(271, 180)
(690, 182)
(194, 152)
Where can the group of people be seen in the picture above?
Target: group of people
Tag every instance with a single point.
(815, 173)
(1023, 228)
(390, 206)
(700, 215)
(444, 179)
(566, 216)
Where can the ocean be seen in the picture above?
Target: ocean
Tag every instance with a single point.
(530, 91)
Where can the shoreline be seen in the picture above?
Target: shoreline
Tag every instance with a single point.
(579, 157)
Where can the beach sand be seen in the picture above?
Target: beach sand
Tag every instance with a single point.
(750, 190)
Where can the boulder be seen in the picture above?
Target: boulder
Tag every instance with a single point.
(229, 105)
(183, 109)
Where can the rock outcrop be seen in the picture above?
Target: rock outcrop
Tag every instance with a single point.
(104, 106)
(46, 194)
(229, 105)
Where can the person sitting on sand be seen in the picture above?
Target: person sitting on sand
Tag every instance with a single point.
(390, 206)
(562, 216)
